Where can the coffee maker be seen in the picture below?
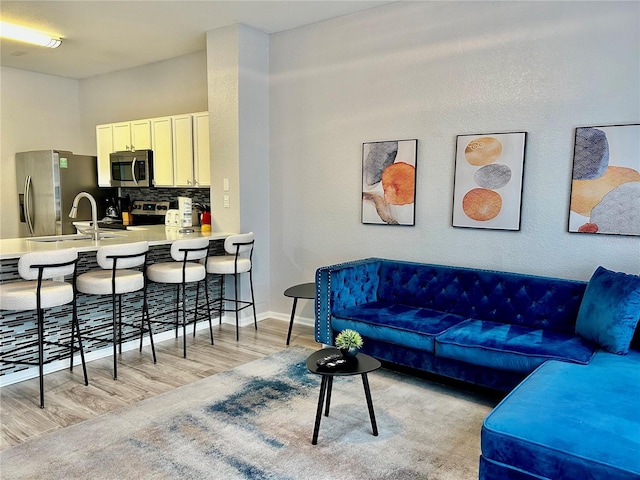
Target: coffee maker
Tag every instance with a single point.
(112, 212)
(114, 207)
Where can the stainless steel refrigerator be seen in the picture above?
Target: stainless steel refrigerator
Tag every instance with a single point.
(48, 181)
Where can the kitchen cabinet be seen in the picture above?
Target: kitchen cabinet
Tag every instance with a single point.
(180, 145)
(141, 135)
(129, 136)
(182, 151)
(201, 155)
(121, 133)
(104, 136)
(191, 162)
(162, 146)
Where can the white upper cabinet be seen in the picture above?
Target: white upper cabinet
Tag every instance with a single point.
(201, 155)
(191, 164)
(131, 136)
(121, 136)
(180, 145)
(182, 151)
(104, 136)
(141, 135)
(162, 146)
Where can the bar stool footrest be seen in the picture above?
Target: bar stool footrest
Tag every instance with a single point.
(125, 338)
(50, 355)
(216, 304)
(198, 316)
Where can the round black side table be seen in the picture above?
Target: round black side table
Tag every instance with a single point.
(361, 365)
(304, 290)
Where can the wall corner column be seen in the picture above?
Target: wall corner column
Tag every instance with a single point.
(238, 99)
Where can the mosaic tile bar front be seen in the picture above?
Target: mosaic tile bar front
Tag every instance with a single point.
(94, 312)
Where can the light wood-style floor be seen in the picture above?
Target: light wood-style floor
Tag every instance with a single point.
(68, 401)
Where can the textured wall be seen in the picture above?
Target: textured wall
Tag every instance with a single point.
(170, 87)
(431, 71)
(222, 78)
(238, 76)
(44, 111)
(38, 112)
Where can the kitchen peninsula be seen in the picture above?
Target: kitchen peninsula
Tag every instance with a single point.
(14, 248)
(19, 327)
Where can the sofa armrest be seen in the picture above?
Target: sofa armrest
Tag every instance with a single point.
(341, 286)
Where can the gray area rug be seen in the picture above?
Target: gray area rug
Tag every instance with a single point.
(256, 422)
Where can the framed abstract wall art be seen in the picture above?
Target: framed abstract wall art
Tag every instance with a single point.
(605, 186)
(389, 182)
(487, 191)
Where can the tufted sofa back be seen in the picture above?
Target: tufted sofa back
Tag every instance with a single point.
(537, 302)
(533, 301)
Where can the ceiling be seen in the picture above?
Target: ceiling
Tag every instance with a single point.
(100, 36)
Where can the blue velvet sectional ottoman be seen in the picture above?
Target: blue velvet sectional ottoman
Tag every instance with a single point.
(559, 346)
(568, 421)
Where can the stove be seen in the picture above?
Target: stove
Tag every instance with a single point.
(149, 212)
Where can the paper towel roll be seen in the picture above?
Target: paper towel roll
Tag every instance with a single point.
(184, 209)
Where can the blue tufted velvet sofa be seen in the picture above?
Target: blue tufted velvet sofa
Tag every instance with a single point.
(572, 402)
(485, 327)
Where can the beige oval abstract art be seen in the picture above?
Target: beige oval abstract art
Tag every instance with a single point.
(483, 151)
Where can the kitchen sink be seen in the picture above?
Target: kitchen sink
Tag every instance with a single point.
(109, 235)
(63, 238)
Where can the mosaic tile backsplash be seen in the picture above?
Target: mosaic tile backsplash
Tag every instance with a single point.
(197, 195)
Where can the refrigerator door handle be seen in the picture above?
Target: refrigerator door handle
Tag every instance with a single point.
(27, 200)
(133, 171)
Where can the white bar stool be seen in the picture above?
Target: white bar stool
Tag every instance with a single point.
(38, 293)
(239, 260)
(185, 269)
(117, 277)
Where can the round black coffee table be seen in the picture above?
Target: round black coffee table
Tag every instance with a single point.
(304, 290)
(361, 365)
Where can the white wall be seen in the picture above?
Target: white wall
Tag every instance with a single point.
(253, 54)
(174, 86)
(431, 71)
(425, 70)
(39, 112)
(45, 112)
(238, 72)
(224, 142)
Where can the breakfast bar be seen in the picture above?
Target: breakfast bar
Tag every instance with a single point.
(14, 248)
(19, 327)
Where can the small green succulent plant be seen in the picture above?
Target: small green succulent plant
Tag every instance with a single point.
(349, 339)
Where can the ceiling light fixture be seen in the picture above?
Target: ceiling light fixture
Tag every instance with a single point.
(24, 34)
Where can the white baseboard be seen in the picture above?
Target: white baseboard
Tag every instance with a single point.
(58, 365)
(287, 317)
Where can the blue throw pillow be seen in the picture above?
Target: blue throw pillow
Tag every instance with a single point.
(610, 310)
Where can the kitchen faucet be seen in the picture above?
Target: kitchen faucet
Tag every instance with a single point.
(95, 234)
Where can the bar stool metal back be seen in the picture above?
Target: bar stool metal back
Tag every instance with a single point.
(123, 271)
(39, 292)
(185, 269)
(239, 259)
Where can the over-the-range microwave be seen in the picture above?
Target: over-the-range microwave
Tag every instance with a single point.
(132, 169)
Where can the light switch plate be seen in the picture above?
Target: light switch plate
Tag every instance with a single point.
(225, 201)
(225, 184)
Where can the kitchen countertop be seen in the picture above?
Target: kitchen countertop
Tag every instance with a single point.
(154, 234)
